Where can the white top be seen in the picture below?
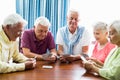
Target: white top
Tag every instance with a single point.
(84, 41)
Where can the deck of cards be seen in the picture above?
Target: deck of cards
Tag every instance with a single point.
(47, 67)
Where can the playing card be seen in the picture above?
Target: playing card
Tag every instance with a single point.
(46, 56)
(48, 67)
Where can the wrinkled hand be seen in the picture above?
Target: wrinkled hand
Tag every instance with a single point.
(93, 59)
(62, 59)
(67, 58)
(70, 58)
(49, 57)
(53, 58)
(88, 65)
(30, 64)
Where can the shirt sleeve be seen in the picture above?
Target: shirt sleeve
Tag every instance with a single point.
(12, 67)
(111, 72)
(51, 42)
(59, 39)
(85, 38)
(6, 68)
(25, 41)
(17, 56)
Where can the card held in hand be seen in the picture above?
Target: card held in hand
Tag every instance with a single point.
(66, 55)
(46, 56)
(84, 56)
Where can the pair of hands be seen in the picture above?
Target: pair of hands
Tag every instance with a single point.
(91, 65)
(30, 63)
(67, 58)
(49, 57)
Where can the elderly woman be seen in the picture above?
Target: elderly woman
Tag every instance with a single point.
(102, 45)
(111, 68)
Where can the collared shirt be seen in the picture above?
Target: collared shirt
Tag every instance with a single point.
(8, 52)
(84, 41)
(72, 36)
(102, 53)
(111, 68)
(28, 40)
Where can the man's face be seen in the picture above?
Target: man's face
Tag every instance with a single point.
(72, 20)
(41, 31)
(114, 36)
(15, 31)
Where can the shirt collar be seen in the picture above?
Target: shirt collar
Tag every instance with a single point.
(34, 37)
(75, 33)
(4, 36)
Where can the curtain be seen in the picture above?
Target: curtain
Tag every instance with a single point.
(54, 10)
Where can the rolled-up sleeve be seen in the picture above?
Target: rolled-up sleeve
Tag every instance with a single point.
(6, 68)
(111, 73)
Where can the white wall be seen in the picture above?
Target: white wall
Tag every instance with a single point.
(6, 7)
(92, 11)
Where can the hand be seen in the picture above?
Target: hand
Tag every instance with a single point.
(93, 59)
(70, 58)
(62, 59)
(88, 65)
(49, 57)
(53, 58)
(96, 61)
(30, 59)
(30, 64)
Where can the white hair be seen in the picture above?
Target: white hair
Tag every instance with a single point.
(73, 10)
(116, 26)
(43, 21)
(101, 26)
(14, 19)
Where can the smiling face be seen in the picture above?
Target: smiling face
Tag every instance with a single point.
(114, 36)
(14, 31)
(72, 20)
(41, 31)
(100, 35)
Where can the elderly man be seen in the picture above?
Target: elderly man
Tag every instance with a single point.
(72, 39)
(36, 41)
(10, 58)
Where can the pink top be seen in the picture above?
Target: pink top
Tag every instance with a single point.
(102, 53)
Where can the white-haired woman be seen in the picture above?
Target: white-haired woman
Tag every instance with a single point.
(102, 45)
(111, 68)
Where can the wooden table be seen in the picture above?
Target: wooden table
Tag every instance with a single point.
(60, 71)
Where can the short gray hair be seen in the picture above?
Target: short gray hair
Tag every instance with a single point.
(14, 19)
(73, 10)
(43, 21)
(116, 26)
(101, 25)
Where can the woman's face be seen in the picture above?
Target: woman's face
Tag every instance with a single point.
(114, 36)
(99, 35)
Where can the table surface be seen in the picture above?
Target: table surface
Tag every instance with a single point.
(60, 71)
